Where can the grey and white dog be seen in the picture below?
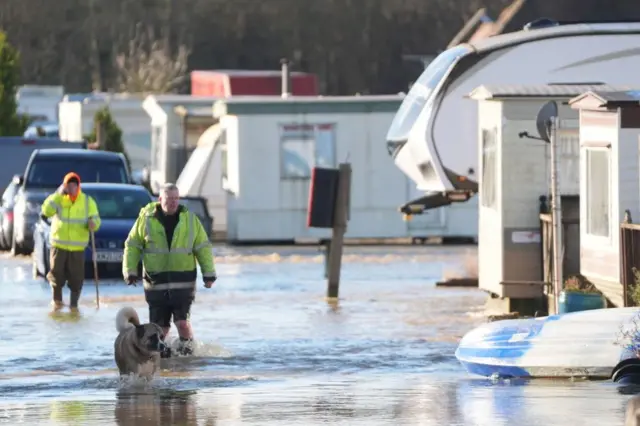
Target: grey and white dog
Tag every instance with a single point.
(138, 346)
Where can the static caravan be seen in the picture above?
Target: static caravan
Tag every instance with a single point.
(254, 167)
(77, 114)
(39, 102)
(514, 175)
(609, 188)
(175, 130)
(432, 139)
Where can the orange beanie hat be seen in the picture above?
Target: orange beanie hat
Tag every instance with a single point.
(69, 177)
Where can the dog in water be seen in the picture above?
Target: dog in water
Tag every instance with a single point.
(138, 346)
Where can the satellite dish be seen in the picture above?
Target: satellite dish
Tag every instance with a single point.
(547, 113)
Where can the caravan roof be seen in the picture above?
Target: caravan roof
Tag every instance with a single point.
(433, 137)
(524, 36)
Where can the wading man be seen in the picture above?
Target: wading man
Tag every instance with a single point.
(75, 215)
(169, 239)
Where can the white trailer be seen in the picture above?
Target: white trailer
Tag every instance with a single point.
(433, 136)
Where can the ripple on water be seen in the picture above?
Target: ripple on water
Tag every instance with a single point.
(271, 351)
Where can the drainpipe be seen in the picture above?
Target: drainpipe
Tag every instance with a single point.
(286, 78)
(185, 147)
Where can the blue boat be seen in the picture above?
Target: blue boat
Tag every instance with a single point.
(587, 344)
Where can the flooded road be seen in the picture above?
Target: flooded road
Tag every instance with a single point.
(271, 351)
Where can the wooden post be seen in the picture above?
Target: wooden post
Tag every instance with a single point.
(341, 217)
(100, 136)
(327, 250)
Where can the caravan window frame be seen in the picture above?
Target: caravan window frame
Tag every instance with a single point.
(306, 143)
(605, 186)
(489, 184)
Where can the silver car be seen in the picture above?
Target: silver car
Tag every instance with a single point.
(6, 214)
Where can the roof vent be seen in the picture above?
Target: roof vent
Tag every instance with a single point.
(540, 23)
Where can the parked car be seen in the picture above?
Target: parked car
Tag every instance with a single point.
(42, 129)
(17, 150)
(119, 206)
(6, 215)
(44, 173)
(198, 206)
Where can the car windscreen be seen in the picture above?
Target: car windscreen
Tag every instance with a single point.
(118, 203)
(49, 172)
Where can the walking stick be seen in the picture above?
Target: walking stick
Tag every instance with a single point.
(96, 280)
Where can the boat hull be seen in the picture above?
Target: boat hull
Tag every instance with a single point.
(579, 344)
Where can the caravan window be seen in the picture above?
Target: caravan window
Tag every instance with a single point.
(417, 98)
(598, 183)
(489, 185)
(305, 146)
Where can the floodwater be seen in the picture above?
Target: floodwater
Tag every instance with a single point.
(271, 351)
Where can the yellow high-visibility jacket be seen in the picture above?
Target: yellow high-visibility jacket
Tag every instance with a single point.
(69, 227)
(168, 268)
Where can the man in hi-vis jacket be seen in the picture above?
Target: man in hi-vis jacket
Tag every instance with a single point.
(169, 239)
(75, 215)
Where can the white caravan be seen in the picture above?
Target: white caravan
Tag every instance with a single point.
(433, 137)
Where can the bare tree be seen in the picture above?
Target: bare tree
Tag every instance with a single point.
(149, 65)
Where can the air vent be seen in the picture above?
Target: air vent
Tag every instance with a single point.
(540, 23)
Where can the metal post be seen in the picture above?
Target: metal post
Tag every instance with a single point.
(285, 78)
(556, 214)
(326, 250)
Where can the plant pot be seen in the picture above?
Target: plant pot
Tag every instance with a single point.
(575, 302)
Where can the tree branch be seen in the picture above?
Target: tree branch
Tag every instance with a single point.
(149, 66)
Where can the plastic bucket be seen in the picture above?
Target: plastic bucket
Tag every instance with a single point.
(575, 302)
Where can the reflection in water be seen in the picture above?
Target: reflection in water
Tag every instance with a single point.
(332, 403)
(632, 417)
(156, 408)
(68, 412)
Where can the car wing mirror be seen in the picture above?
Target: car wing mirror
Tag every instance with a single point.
(18, 180)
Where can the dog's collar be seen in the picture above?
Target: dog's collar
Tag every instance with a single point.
(142, 354)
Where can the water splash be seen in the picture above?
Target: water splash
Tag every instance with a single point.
(200, 349)
(132, 383)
